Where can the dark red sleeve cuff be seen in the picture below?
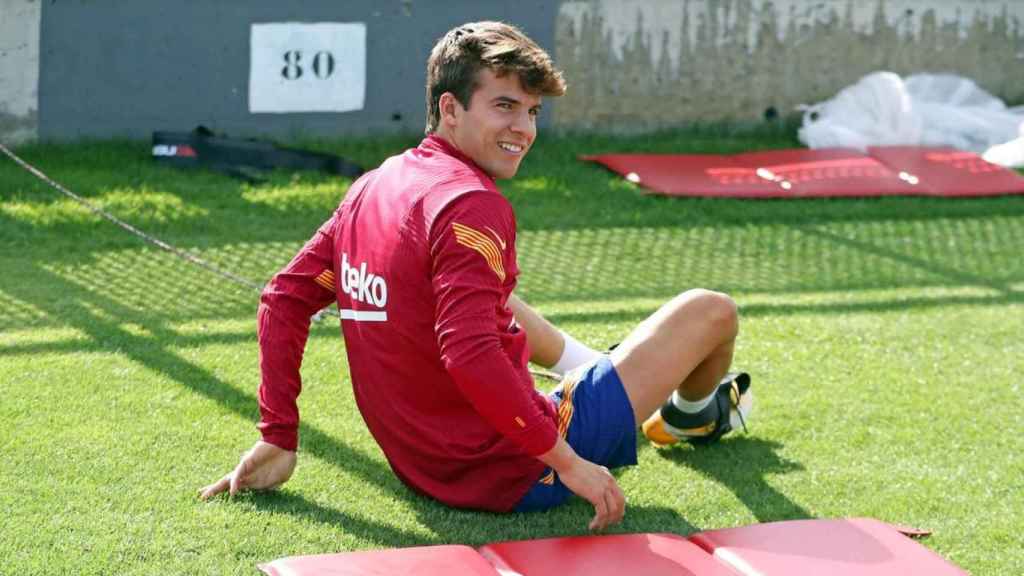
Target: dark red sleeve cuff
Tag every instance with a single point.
(284, 437)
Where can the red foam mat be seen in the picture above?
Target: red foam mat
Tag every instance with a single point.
(794, 548)
(619, 555)
(418, 561)
(851, 547)
(799, 173)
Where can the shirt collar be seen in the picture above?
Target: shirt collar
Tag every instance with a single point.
(435, 143)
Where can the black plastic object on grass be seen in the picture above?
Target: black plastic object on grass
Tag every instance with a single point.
(242, 158)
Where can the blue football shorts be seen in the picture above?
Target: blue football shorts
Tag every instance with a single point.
(596, 419)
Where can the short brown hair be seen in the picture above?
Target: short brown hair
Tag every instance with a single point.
(459, 56)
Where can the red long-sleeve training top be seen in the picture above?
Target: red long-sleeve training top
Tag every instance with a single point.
(421, 259)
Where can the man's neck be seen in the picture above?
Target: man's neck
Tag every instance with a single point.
(443, 135)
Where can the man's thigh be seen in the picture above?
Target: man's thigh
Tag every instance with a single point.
(655, 358)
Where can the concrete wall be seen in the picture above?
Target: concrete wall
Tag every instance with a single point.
(126, 68)
(648, 64)
(19, 69)
(115, 68)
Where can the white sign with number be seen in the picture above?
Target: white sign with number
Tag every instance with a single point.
(297, 67)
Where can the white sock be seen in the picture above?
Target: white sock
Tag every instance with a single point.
(574, 354)
(694, 406)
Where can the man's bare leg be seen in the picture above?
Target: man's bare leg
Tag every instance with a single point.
(686, 345)
(546, 342)
(549, 346)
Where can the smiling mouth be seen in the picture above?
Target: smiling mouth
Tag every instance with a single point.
(509, 147)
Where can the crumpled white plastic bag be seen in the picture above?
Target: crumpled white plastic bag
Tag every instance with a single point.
(1010, 154)
(882, 109)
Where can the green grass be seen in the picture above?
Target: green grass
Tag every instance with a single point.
(884, 336)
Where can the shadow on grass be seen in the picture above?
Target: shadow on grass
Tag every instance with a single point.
(473, 528)
(153, 284)
(741, 464)
(101, 320)
(293, 504)
(91, 345)
(619, 246)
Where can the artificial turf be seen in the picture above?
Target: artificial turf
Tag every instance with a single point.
(884, 336)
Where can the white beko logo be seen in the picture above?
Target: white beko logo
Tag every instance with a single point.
(363, 287)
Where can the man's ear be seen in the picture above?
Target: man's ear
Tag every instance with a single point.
(448, 105)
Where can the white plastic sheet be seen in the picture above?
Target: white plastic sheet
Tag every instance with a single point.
(883, 109)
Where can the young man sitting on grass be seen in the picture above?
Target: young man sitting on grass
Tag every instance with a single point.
(421, 260)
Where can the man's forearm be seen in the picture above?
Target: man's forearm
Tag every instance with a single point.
(289, 299)
(281, 348)
(503, 396)
(561, 457)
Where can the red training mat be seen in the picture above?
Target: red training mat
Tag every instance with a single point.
(851, 547)
(847, 547)
(418, 561)
(619, 555)
(799, 173)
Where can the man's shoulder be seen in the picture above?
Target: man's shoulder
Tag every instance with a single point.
(467, 191)
(458, 184)
(469, 201)
(426, 185)
(448, 172)
(457, 179)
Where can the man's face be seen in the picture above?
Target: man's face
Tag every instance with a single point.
(499, 126)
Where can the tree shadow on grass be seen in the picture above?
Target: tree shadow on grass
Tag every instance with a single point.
(89, 307)
(294, 504)
(73, 346)
(742, 464)
(472, 528)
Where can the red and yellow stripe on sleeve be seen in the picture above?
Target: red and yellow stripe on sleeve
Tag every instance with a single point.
(326, 279)
(476, 240)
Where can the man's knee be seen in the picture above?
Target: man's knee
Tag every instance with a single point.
(716, 310)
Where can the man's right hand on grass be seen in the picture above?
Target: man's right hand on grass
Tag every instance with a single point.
(592, 482)
(263, 467)
(596, 484)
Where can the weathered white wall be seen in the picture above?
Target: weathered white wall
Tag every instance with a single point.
(646, 64)
(19, 69)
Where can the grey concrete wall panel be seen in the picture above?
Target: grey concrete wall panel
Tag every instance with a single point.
(114, 68)
(117, 68)
(642, 65)
(19, 70)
